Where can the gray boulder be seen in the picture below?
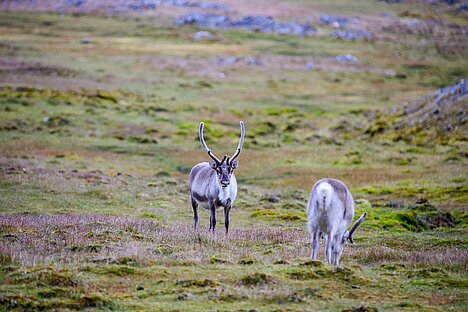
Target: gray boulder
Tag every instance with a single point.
(347, 58)
(203, 35)
(336, 21)
(352, 35)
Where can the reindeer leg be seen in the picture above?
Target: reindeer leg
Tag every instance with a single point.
(337, 258)
(315, 244)
(195, 212)
(227, 209)
(333, 252)
(328, 250)
(336, 250)
(212, 217)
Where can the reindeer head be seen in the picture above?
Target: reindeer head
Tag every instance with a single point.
(225, 167)
(348, 235)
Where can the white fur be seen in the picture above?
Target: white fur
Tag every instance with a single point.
(329, 215)
(228, 192)
(223, 193)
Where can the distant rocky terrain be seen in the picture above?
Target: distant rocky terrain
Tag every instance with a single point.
(440, 117)
(113, 7)
(254, 23)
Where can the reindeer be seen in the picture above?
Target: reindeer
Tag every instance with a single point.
(330, 211)
(213, 185)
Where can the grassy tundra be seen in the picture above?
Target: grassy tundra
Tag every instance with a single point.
(99, 129)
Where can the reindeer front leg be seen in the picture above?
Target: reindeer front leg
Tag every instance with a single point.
(315, 235)
(227, 209)
(212, 216)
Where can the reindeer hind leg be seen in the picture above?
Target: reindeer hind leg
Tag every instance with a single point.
(315, 242)
(329, 249)
(195, 212)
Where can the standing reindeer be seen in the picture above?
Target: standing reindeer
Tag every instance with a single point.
(213, 185)
(330, 211)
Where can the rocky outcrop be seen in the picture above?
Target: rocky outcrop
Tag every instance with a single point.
(259, 23)
(441, 117)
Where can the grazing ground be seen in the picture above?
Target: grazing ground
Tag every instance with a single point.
(99, 129)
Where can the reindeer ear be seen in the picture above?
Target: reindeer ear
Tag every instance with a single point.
(234, 164)
(213, 164)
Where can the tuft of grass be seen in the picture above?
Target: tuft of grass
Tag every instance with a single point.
(196, 283)
(256, 279)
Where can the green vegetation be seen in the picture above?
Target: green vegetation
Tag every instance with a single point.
(97, 140)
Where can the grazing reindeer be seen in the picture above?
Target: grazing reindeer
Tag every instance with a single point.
(330, 211)
(213, 185)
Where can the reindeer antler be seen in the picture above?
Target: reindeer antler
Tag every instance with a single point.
(241, 142)
(355, 226)
(202, 141)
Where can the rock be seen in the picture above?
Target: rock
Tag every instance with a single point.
(260, 22)
(253, 60)
(75, 3)
(203, 35)
(187, 4)
(229, 61)
(291, 28)
(309, 66)
(123, 6)
(268, 24)
(204, 20)
(336, 21)
(451, 93)
(439, 117)
(150, 4)
(348, 58)
(86, 41)
(415, 25)
(210, 6)
(254, 23)
(153, 4)
(352, 35)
